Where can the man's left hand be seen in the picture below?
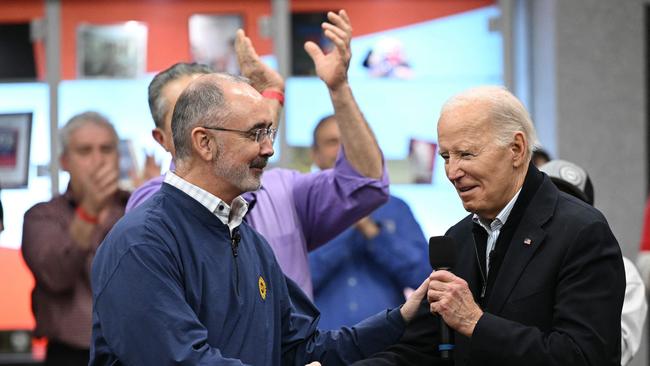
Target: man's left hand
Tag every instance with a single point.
(332, 67)
(449, 296)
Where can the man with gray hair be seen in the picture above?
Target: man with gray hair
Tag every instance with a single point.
(539, 277)
(60, 237)
(182, 279)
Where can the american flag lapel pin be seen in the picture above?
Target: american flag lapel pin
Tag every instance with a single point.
(527, 241)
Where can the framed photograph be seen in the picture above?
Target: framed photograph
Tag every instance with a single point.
(112, 51)
(212, 40)
(422, 156)
(15, 137)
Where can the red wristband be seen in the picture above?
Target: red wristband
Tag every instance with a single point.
(85, 216)
(274, 94)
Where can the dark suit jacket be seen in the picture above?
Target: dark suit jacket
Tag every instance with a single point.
(555, 298)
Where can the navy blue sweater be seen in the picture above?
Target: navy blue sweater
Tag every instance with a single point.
(171, 287)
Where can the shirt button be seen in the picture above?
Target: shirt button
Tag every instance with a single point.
(221, 207)
(352, 281)
(353, 306)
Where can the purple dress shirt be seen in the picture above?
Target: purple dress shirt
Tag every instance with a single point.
(297, 212)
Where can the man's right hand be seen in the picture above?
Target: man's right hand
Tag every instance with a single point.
(412, 304)
(98, 187)
(262, 77)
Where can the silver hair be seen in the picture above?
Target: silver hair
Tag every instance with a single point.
(203, 100)
(157, 104)
(80, 120)
(507, 114)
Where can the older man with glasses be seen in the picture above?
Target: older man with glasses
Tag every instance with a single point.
(296, 213)
(183, 280)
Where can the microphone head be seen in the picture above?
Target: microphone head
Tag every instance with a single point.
(442, 252)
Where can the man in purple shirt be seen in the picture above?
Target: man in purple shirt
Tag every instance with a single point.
(295, 212)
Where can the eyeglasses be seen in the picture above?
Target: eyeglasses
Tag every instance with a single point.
(256, 134)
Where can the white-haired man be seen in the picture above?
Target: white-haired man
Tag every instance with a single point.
(539, 277)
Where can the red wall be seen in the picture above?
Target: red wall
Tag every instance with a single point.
(168, 39)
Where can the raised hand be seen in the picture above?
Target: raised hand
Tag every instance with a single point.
(151, 169)
(332, 67)
(262, 77)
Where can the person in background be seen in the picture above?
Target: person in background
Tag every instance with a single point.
(60, 237)
(538, 277)
(295, 212)
(540, 156)
(182, 279)
(572, 179)
(367, 267)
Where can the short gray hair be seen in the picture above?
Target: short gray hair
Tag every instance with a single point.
(157, 104)
(506, 113)
(80, 120)
(203, 100)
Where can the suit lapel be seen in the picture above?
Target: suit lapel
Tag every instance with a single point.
(527, 239)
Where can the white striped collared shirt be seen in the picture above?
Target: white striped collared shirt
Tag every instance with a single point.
(493, 228)
(230, 216)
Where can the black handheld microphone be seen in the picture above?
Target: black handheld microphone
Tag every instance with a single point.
(442, 255)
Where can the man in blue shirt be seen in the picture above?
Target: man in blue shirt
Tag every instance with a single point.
(183, 280)
(371, 265)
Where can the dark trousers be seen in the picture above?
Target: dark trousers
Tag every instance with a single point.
(61, 354)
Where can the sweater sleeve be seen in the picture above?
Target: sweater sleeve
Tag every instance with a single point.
(303, 343)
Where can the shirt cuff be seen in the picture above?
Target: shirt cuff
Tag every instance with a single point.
(346, 169)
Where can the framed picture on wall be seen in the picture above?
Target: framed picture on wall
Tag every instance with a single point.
(422, 156)
(212, 40)
(112, 51)
(15, 136)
